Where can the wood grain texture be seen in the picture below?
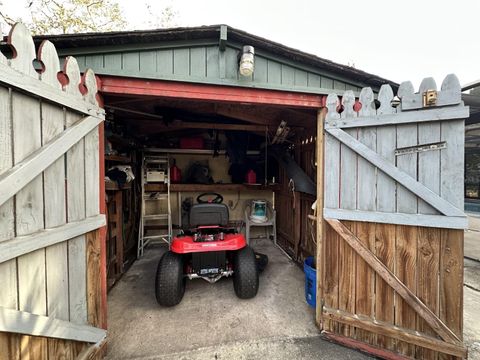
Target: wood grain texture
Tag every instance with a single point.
(367, 194)
(93, 279)
(428, 250)
(405, 270)
(421, 116)
(9, 345)
(451, 281)
(365, 281)
(428, 253)
(76, 210)
(29, 216)
(331, 284)
(38, 325)
(380, 268)
(397, 218)
(33, 348)
(37, 161)
(7, 219)
(387, 167)
(384, 294)
(25, 244)
(348, 200)
(387, 329)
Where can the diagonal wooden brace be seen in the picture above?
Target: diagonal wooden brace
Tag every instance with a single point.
(374, 262)
(16, 178)
(395, 173)
(22, 322)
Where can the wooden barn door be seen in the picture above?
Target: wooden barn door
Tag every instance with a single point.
(390, 254)
(50, 245)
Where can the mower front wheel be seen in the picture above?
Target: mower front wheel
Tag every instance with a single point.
(245, 273)
(170, 282)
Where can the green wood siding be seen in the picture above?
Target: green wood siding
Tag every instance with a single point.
(207, 64)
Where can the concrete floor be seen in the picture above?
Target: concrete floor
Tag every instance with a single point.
(212, 323)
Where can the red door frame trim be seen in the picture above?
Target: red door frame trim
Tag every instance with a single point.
(188, 91)
(220, 93)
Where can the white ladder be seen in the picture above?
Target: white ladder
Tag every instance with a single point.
(148, 196)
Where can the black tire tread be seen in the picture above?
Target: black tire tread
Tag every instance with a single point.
(245, 273)
(169, 281)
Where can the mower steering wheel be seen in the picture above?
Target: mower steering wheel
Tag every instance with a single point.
(218, 199)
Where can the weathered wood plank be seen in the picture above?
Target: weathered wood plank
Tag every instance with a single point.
(393, 281)
(406, 236)
(366, 194)
(32, 165)
(348, 200)
(332, 196)
(56, 257)
(452, 162)
(428, 240)
(93, 279)
(25, 244)
(384, 294)
(60, 349)
(29, 214)
(420, 116)
(331, 275)
(27, 139)
(428, 252)
(451, 281)
(429, 163)
(451, 246)
(405, 270)
(320, 226)
(401, 333)
(450, 94)
(401, 177)
(22, 322)
(32, 348)
(76, 208)
(92, 176)
(7, 220)
(365, 282)
(9, 346)
(449, 222)
(16, 80)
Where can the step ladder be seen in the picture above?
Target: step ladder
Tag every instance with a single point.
(155, 170)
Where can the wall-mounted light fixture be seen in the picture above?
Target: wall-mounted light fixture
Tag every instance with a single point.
(246, 65)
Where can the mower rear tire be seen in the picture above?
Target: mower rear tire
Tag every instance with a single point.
(170, 282)
(245, 273)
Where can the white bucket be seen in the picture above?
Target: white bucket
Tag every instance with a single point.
(259, 211)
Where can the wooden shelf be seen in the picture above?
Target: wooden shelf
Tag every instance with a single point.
(210, 187)
(117, 158)
(112, 185)
(194, 151)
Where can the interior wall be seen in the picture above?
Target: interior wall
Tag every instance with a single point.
(236, 201)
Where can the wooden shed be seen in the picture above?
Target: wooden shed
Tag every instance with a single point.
(385, 170)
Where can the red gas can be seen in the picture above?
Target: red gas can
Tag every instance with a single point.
(251, 177)
(175, 174)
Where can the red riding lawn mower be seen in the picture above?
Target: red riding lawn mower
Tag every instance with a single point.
(209, 250)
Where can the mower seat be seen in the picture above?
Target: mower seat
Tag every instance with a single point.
(208, 214)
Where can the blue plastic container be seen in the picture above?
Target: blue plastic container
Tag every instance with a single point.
(310, 282)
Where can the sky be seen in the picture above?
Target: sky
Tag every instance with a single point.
(398, 40)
